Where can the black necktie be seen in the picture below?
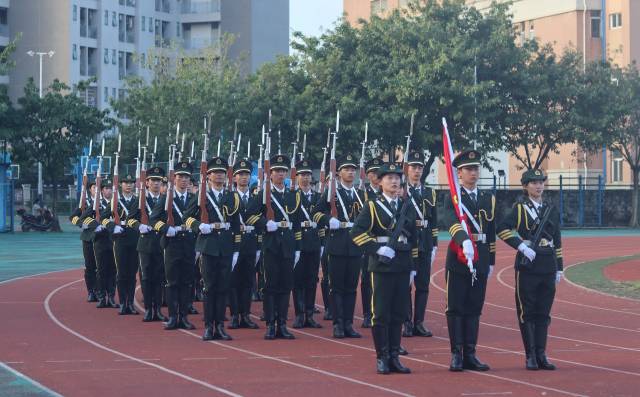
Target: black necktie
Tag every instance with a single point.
(183, 198)
(394, 205)
(244, 198)
(473, 197)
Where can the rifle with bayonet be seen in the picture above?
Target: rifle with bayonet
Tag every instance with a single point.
(85, 180)
(364, 146)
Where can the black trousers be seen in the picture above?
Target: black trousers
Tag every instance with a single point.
(152, 278)
(216, 273)
(390, 300)
(179, 256)
(365, 287)
(242, 279)
(305, 282)
(90, 266)
(324, 282)
(126, 258)
(344, 272)
(278, 277)
(534, 296)
(464, 299)
(421, 288)
(106, 266)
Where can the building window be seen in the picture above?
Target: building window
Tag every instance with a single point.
(150, 24)
(106, 56)
(75, 12)
(595, 24)
(106, 18)
(615, 20)
(178, 28)
(113, 92)
(74, 52)
(114, 19)
(106, 95)
(142, 23)
(532, 31)
(113, 57)
(617, 162)
(378, 6)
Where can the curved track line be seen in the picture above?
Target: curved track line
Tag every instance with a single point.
(582, 287)
(30, 380)
(47, 307)
(550, 336)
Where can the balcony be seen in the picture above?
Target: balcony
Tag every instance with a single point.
(163, 6)
(199, 11)
(4, 30)
(199, 43)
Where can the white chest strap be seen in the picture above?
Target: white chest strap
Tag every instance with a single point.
(215, 207)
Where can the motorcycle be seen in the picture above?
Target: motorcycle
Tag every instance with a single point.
(47, 222)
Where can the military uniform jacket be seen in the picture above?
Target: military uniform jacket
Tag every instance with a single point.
(370, 193)
(338, 241)
(251, 224)
(485, 239)
(129, 235)
(520, 224)
(158, 219)
(287, 239)
(424, 198)
(77, 219)
(373, 228)
(88, 218)
(148, 242)
(223, 240)
(311, 240)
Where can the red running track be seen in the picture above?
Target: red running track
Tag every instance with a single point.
(51, 335)
(626, 270)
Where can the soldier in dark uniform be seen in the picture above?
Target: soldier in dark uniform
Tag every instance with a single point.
(345, 257)
(538, 274)
(371, 192)
(125, 239)
(103, 249)
(280, 250)
(149, 251)
(389, 263)
(423, 200)
(218, 244)
(87, 235)
(178, 242)
(306, 270)
(324, 265)
(464, 297)
(251, 224)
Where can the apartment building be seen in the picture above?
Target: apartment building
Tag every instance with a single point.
(109, 39)
(4, 34)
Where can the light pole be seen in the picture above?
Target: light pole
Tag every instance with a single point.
(40, 55)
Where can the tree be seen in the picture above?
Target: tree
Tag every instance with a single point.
(53, 129)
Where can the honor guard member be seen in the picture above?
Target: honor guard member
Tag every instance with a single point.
(345, 257)
(280, 249)
(251, 224)
(87, 235)
(306, 270)
(178, 242)
(423, 200)
(465, 295)
(371, 192)
(386, 230)
(103, 249)
(538, 264)
(125, 238)
(218, 243)
(149, 251)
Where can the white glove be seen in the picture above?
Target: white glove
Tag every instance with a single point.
(171, 231)
(257, 256)
(85, 226)
(205, 228)
(386, 251)
(526, 251)
(490, 271)
(118, 229)
(434, 250)
(144, 229)
(272, 226)
(559, 276)
(296, 258)
(99, 228)
(467, 249)
(234, 260)
(412, 276)
(334, 224)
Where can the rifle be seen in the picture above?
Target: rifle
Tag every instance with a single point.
(142, 199)
(168, 203)
(266, 192)
(155, 150)
(138, 168)
(85, 181)
(331, 195)
(397, 231)
(364, 145)
(539, 225)
(96, 204)
(193, 148)
(293, 160)
(116, 181)
(202, 192)
(405, 159)
(304, 147)
(323, 167)
(261, 159)
(181, 148)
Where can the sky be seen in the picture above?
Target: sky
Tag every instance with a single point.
(312, 17)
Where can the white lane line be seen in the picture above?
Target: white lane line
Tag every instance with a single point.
(498, 393)
(63, 371)
(29, 380)
(47, 307)
(66, 361)
(203, 358)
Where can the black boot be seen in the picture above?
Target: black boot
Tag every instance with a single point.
(246, 322)
(102, 300)
(131, 296)
(527, 331)
(111, 299)
(91, 296)
(219, 332)
(271, 331)
(338, 329)
(283, 308)
(158, 292)
(402, 351)
(365, 295)
(541, 329)
(208, 332)
(122, 297)
(381, 343)
(395, 332)
(309, 308)
(326, 300)
(298, 305)
(147, 297)
(420, 330)
(338, 314)
(282, 332)
(185, 302)
(173, 304)
(268, 302)
(366, 320)
(407, 331)
(418, 315)
(454, 324)
(349, 332)
(349, 306)
(235, 322)
(470, 361)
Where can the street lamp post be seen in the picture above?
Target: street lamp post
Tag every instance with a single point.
(40, 55)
